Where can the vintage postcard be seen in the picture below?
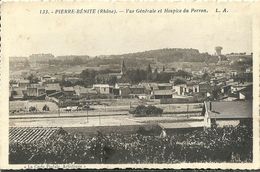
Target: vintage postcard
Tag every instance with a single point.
(130, 85)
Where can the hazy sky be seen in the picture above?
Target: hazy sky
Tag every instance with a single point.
(116, 34)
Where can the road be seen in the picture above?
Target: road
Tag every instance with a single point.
(73, 122)
(92, 121)
(68, 114)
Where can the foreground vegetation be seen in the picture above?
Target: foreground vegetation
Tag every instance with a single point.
(228, 144)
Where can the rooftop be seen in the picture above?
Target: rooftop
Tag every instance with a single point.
(100, 85)
(24, 81)
(31, 134)
(137, 86)
(230, 110)
(68, 89)
(181, 125)
(54, 86)
(164, 84)
(163, 92)
(246, 84)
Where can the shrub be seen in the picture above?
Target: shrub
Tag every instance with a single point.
(143, 111)
(227, 144)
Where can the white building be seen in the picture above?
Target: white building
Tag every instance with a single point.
(103, 88)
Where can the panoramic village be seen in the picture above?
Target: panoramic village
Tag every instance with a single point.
(130, 95)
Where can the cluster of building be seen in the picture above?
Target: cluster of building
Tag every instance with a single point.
(229, 90)
(229, 87)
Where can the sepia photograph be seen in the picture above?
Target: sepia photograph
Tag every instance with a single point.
(130, 85)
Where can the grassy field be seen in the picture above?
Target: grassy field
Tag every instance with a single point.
(25, 105)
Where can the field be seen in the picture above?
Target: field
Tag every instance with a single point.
(116, 105)
(24, 106)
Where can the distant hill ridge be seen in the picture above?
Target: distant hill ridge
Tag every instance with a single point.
(168, 55)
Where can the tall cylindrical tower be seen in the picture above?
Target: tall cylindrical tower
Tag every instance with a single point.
(218, 50)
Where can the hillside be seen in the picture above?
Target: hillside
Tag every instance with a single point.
(169, 55)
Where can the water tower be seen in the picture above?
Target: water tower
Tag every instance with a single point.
(218, 50)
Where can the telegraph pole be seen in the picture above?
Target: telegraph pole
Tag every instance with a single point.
(59, 107)
(87, 115)
(99, 119)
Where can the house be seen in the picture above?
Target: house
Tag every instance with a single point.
(23, 83)
(165, 86)
(240, 86)
(68, 91)
(103, 88)
(122, 89)
(246, 93)
(193, 87)
(162, 94)
(120, 85)
(52, 88)
(35, 90)
(80, 91)
(14, 83)
(218, 74)
(48, 78)
(84, 92)
(153, 86)
(181, 89)
(233, 73)
(143, 96)
(149, 87)
(137, 89)
(18, 93)
(230, 113)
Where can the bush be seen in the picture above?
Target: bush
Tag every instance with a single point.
(143, 111)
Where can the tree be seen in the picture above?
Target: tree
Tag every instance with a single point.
(112, 80)
(88, 76)
(155, 74)
(179, 81)
(205, 76)
(148, 73)
(26, 63)
(77, 61)
(163, 77)
(33, 79)
(216, 93)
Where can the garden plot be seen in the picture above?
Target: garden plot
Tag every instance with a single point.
(16, 107)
